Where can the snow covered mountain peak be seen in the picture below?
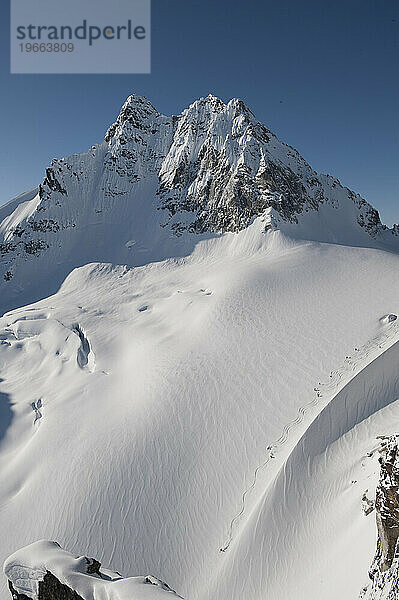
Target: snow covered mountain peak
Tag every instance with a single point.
(212, 103)
(154, 179)
(137, 111)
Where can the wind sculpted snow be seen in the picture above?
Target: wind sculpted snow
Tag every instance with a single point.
(145, 459)
(207, 387)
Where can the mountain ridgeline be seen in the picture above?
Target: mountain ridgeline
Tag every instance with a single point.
(155, 179)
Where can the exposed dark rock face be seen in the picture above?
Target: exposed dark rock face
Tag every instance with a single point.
(34, 246)
(7, 247)
(370, 219)
(49, 589)
(50, 184)
(15, 594)
(384, 571)
(44, 225)
(229, 198)
(387, 502)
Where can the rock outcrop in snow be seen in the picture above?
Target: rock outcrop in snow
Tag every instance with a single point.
(384, 572)
(44, 571)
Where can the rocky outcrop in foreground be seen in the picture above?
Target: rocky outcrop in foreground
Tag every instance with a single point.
(384, 571)
(44, 571)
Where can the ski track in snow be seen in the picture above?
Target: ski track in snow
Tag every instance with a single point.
(351, 366)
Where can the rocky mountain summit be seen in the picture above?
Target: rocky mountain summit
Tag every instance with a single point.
(155, 179)
(44, 571)
(384, 572)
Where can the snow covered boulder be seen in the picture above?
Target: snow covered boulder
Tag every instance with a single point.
(44, 571)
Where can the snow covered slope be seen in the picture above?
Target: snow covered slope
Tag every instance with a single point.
(213, 370)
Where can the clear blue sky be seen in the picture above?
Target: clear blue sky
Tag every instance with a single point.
(322, 75)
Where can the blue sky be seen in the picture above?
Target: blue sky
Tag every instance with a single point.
(322, 75)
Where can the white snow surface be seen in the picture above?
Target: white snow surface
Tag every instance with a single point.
(198, 365)
(180, 396)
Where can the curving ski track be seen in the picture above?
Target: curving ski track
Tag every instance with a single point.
(349, 368)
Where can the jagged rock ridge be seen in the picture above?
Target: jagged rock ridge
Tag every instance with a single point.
(210, 170)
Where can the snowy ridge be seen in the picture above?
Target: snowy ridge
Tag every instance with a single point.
(28, 568)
